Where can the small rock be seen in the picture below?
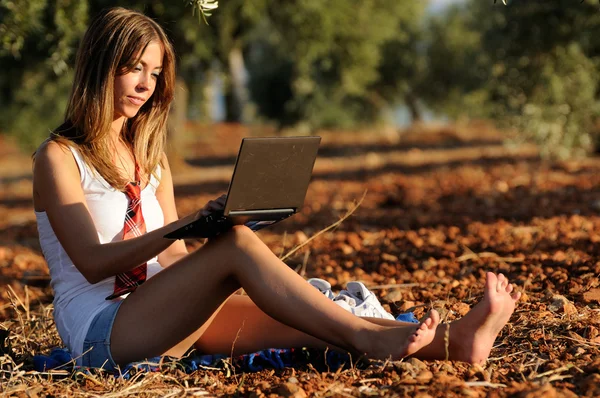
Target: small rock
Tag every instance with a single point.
(417, 364)
(462, 308)
(477, 372)
(420, 275)
(393, 296)
(300, 237)
(4, 253)
(389, 257)
(354, 240)
(293, 380)
(501, 186)
(448, 369)
(424, 377)
(559, 256)
(592, 296)
(562, 304)
(264, 385)
(291, 390)
(407, 305)
(347, 249)
(403, 367)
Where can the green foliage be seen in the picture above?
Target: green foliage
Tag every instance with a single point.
(38, 40)
(323, 59)
(531, 66)
(37, 107)
(17, 20)
(203, 8)
(457, 68)
(402, 70)
(320, 64)
(560, 111)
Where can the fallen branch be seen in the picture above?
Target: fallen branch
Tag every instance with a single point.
(554, 371)
(334, 225)
(482, 255)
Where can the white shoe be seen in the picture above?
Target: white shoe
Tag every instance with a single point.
(362, 301)
(323, 286)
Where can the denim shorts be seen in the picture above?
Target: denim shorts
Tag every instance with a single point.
(96, 345)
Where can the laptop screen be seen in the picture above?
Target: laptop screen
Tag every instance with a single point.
(272, 173)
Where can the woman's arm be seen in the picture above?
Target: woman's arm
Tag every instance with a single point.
(57, 185)
(166, 198)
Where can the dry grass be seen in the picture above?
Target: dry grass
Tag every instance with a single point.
(435, 218)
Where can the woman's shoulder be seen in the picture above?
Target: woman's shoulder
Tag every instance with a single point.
(53, 154)
(52, 150)
(62, 142)
(52, 162)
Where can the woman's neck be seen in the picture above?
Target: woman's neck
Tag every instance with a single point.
(116, 128)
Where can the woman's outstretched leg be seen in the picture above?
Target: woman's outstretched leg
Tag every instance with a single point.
(241, 327)
(173, 305)
(472, 337)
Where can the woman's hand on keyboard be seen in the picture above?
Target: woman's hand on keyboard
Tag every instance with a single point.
(213, 205)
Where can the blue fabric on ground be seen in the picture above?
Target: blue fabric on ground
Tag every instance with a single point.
(58, 358)
(407, 317)
(322, 360)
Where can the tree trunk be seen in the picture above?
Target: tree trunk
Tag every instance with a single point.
(413, 108)
(237, 92)
(176, 138)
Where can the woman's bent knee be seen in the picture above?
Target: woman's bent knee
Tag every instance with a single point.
(240, 236)
(238, 240)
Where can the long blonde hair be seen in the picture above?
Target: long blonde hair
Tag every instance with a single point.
(112, 46)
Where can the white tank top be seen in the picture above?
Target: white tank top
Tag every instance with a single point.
(76, 301)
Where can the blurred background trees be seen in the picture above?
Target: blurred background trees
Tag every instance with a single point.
(529, 66)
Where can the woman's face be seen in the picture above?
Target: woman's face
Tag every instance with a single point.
(134, 88)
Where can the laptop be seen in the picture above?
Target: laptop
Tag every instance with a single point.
(268, 185)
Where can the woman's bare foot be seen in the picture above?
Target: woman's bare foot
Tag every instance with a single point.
(472, 337)
(423, 335)
(397, 342)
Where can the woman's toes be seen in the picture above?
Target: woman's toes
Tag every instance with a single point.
(501, 282)
(516, 296)
(509, 288)
(490, 281)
